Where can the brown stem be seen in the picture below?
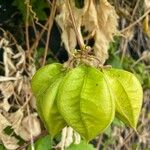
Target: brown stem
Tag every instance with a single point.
(26, 30)
(51, 20)
(135, 8)
(38, 37)
(99, 142)
(79, 38)
(136, 22)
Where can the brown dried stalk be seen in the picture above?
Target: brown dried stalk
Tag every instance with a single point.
(51, 20)
(79, 39)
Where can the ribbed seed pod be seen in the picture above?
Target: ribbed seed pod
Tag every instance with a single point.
(128, 95)
(45, 84)
(85, 101)
(86, 98)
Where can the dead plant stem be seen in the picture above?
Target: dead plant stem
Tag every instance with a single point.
(79, 38)
(135, 8)
(31, 134)
(38, 37)
(50, 23)
(99, 142)
(26, 29)
(136, 22)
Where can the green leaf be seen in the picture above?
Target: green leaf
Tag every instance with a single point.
(2, 147)
(8, 130)
(44, 143)
(45, 84)
(118, 122)
(115, 61)
(21, 7)
(129, 95)
(39, 6)
(83, 145)
(85, 101)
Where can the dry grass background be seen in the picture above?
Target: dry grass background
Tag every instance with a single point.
(17, 104)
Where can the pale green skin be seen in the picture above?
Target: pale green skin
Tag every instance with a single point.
(86, 98)
(45, 84)
(128, 95)
(86, 102)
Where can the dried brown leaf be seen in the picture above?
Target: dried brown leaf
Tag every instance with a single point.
(99, 19)
(7, 90)
(15, 86)
(4, 105)
(3, 123)
(102, 19)
(68, 35)
(16, 119)
(9, 142)
(30, 126)
(146, 4)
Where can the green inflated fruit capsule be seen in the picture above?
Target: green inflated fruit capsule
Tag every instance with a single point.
(128, 95)
(45, 84)
(85, 101)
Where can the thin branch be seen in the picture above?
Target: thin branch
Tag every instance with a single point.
(34, 29)
(79, 38)
(126, 139)
(135, 8)
(124, 48)
(136, 22)
(99, 142)
(51, 20)
(39, 35)
(26, 29)
(30, 129)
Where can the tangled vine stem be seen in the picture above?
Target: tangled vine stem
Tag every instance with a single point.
(79, 38)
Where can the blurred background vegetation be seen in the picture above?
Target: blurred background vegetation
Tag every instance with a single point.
(130, 50)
